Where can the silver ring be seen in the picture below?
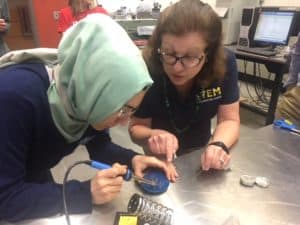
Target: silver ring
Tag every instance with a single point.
(222, 161)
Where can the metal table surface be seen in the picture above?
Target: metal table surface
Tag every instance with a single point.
(213, 197)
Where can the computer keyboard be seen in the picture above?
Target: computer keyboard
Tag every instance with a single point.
(257, 51)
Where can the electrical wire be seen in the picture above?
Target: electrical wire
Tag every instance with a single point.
(247, 84)
(88, 162)
(260, 100)
(260, 88)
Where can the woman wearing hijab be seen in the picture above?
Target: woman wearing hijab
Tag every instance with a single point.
(46, 112)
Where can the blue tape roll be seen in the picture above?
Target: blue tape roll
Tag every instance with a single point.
(162, 182)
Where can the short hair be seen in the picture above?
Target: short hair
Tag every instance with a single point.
(189, 16)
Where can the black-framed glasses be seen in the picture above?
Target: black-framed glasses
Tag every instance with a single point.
(186, 61)
(126, 111)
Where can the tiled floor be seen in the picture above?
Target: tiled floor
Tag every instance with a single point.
(249, 120)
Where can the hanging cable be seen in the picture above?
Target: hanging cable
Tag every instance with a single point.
(255, 101)
(87, 162)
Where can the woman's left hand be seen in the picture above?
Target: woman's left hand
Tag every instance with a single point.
(142, 162)
(214, 157)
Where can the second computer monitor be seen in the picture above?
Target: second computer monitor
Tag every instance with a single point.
(273, 28)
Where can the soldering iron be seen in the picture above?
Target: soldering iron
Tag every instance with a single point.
(100, 166)
(127, 176)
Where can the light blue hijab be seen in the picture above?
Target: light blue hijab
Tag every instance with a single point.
(100, 70)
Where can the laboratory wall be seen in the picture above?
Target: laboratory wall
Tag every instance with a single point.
(44, 24)
(282, 3)
(19, 36)
(41, 28)
(112, 6)
(132, 4)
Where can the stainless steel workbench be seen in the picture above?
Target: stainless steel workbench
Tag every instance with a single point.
(212, 198)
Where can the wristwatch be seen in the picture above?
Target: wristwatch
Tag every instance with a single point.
(220, 144)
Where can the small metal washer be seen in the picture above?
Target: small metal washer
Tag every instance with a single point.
(262, 182)
(247, 180)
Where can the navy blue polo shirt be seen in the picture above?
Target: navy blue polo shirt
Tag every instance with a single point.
(190, 120)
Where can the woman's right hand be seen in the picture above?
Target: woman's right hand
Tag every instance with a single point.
(163, 143)
(107, 184)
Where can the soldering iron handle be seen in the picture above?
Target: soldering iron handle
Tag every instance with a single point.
(103, 166)
(128, 175)
(99, 165)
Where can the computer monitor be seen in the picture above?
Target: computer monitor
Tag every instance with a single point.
(273, 28)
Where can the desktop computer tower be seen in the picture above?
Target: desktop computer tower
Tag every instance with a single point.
(230, 12)
(248, 25)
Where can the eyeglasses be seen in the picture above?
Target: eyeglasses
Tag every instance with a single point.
(126, 111)
(186, 61)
